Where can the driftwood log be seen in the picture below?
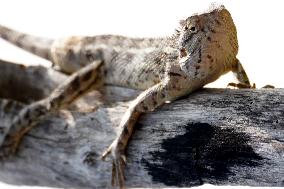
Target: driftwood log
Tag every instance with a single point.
(217, 136)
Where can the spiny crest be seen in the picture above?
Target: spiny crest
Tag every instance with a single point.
(214, 7)
(215, 11)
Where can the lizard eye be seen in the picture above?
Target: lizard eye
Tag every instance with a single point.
(193, 29)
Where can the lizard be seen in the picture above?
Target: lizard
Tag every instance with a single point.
(203, 48)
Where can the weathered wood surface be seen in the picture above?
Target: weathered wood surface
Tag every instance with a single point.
(217, 136)
(27, 83)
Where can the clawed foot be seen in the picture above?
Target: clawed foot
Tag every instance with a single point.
(268, 87)
(12, 142)
(9, 147)
(118, 164)
(242, 85)
(246, 86)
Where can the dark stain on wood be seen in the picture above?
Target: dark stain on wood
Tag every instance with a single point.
(201, 153)
(90, 158)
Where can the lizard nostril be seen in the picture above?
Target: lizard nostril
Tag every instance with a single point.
(182, 52)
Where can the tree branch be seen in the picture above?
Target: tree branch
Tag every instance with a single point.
(217, 136)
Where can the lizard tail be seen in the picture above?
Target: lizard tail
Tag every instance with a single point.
(35, 45)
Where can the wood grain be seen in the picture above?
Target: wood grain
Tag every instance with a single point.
(217, 136)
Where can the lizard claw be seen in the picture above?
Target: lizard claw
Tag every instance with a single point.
(9, 147)
(118, 164)
(11, 144)
(246, 86)
(268, 87)
(242, 85)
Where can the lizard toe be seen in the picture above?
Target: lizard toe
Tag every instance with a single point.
(268, 87)
(118, 164)
(8, 149)
(241, 85)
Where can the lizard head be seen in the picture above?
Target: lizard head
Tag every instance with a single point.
(211, 34)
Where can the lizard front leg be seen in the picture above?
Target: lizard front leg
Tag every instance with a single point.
(243, 79)
(167, 90)
(241, 76)
(78, 84)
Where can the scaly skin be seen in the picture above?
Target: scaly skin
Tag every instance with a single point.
(204, 49)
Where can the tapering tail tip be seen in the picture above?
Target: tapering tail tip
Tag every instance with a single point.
(33, 44)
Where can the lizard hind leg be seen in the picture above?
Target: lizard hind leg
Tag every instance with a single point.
(78, 84)
(21, 124)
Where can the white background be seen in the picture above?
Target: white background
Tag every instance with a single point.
(259, 24)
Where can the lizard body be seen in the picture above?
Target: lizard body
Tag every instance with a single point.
(132, 57)
(166, 69)
(75, 52)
